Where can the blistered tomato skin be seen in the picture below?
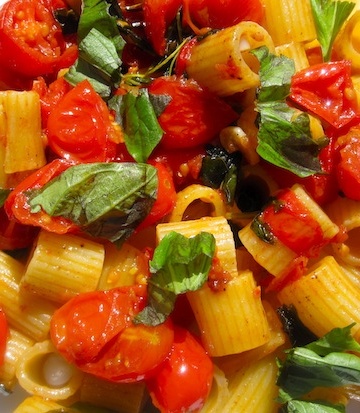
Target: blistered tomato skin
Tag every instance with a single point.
(184, 380)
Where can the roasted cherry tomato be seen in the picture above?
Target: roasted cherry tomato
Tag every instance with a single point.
(158, 14)
(80, 127)
(4, 332)
(183, 381)
(326, 89)
(216, 14)
(95, 331)
(193, 116)
(348, 168)
(17, 206)
(31, 40)
(14, 235)
(165, 199)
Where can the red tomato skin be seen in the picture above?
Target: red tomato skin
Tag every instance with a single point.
(348, 169)
(326, 89)
(22, 24)
(4, 333)
(193, 117)
(217, 14)
(293, 225)
(79, 127)
(165, 199)
(158, 14)
(184, 380)
(17, 206)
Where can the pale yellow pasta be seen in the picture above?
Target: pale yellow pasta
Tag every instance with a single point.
(235, 362)
(346, 213)
(36, 404)
(57, 381)
(253, 389)
(193, 193)
(218, 226)
(16, 345)
(219, 393)
(324, 298)
(295, 51)
(122, 266)
(24, 148)
(231, 320)
(276, 258)
(289, 21)
(26, 313)
(62, 266)
(347, 43)
(222, 62)
(120, 397)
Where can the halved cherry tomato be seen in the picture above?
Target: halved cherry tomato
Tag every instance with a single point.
(17, 205)
(31, 40)
(165, 199)
(216, 14)
(14, 235)
(326, 89)
(183, 381)
(80, 127)
(348, 168)
(158, 14)
(4, 332)
(193, 116)
(95, 331)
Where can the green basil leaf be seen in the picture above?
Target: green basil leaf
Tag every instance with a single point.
(3, 195)
(329, 16)
(106, 200)
(179, 265)
(305, 368)
(140, 124)
(300, 406)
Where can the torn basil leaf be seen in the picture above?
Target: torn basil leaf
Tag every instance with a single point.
(301, 406)
(323, 363)
(140, 124)
(179, 265)
(106, 200)
(3, 195)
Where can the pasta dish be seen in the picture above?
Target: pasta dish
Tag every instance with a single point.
(180, 205)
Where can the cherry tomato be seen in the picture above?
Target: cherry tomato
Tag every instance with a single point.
(216, 14)
(293, 224)
(348, 168)
(158, 14)
(80, 128)
(17, 206)
(14, 235)
(95, 331)
(326, 89)
(184, 380)
(165, 199)
(4, 332)
(31, 40)
(193, 116)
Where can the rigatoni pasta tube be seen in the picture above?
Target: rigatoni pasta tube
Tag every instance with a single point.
(289, 21)
(43, 372)
(232, 320)
(63, 266)
(26, 313)
(324, 298)
(222, 62)
(24, 149)
(36, 404)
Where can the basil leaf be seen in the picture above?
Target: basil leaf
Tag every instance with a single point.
(329, 16)
(300, 406)
(179, 265)
(3, 195)
(305, 368)
(140, 124)
(106, 200)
